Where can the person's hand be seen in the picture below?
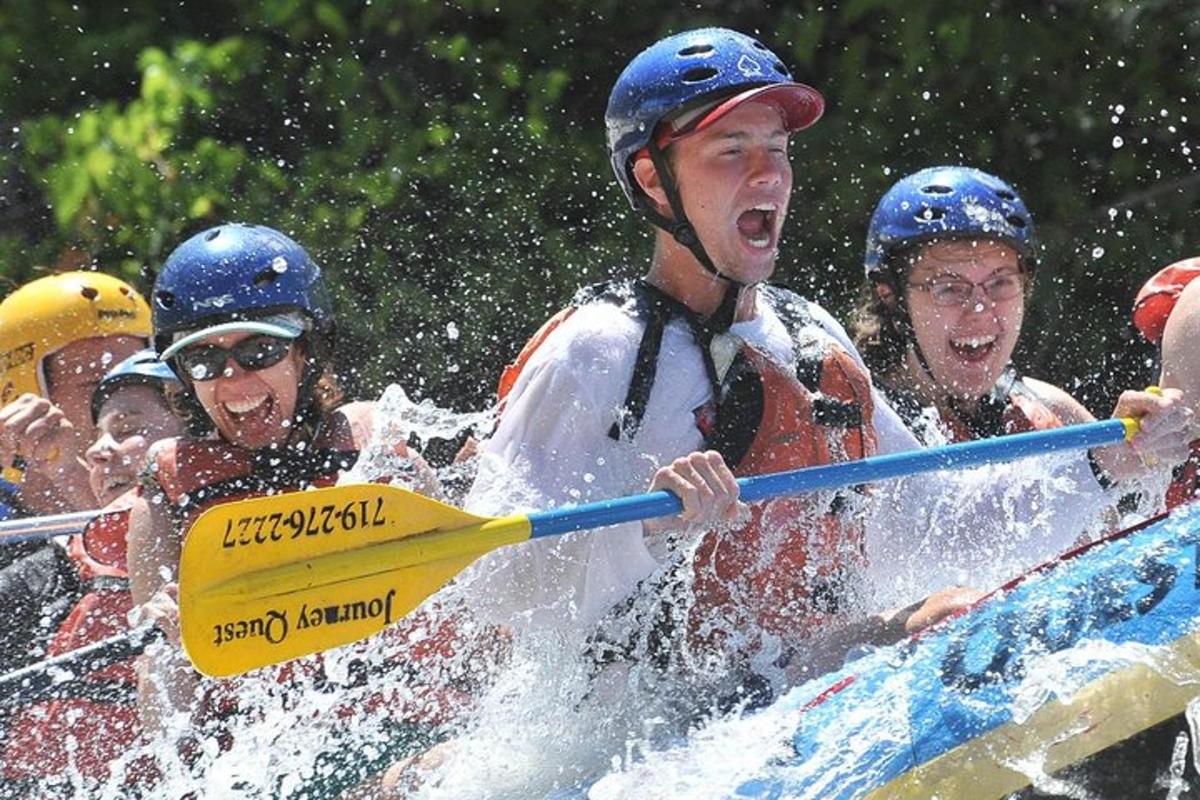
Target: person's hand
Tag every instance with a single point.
(35, 430)
(705, 485)
(940, 605)
(414, 472)
(410, 774)
(469, 449)
(1163, 440)
(162, 610)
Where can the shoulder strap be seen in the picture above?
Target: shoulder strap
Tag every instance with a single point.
(795, 313)
(655, 309)
(988, 418)
(793, 310)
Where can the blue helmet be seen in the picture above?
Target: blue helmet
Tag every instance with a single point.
(143, 367)
(690, 70)
(948, 203)
(237, 272)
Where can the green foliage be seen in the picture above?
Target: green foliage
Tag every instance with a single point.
(445, 161)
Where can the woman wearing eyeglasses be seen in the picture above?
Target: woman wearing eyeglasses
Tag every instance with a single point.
(951, 256)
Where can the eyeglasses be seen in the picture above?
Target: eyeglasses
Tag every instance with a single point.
(204, 362)
(950, 292)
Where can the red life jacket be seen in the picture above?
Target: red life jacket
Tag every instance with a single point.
(93, 720)
(1023, 411)
(195, 475)
(765, 417)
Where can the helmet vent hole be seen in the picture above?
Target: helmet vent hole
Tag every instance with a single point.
(760, 46)
(214, 233)
(1017, 222)
(930, 214)
(1004, 194)
(165, 299)
(265, 277)
(699, 75)
(782, 70)
(937, 188)
(89, 292)
(696, 50)
(125, 291)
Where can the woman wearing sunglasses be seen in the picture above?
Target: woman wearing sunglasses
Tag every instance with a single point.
(243, 316)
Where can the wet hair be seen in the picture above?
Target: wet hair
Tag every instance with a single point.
(881, 330)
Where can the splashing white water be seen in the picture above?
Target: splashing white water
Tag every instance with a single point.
(550, 722)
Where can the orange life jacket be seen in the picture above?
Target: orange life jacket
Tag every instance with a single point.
(1011, 407)
(789, 569)
(764, 417)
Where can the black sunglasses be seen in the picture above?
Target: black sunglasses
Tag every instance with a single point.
(204, 362)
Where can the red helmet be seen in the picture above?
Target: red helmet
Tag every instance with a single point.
(1158, 296)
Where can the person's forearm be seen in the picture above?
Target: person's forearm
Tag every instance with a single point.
(166, 687)
(827, 651)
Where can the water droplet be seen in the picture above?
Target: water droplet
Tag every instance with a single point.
(1097, 252)
(1117, 142)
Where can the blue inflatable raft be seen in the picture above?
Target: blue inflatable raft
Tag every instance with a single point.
(1076, 656)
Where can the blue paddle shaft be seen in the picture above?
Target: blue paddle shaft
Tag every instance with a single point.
(832, 476)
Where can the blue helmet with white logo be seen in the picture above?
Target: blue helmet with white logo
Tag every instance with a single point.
(692, 70)
(941, 203)
(141, 368)
(237, 272)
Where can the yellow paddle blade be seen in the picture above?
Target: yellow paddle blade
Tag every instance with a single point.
(265, 580)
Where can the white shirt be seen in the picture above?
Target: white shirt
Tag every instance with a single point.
(551, 448)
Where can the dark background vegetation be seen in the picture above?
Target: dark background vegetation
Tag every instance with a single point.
(445, 161)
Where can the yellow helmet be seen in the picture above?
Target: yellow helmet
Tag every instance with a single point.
(46, 315)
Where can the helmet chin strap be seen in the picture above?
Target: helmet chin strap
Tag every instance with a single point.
(904, 321)
(682, 231)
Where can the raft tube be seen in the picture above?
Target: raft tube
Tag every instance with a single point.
(1064, 662)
